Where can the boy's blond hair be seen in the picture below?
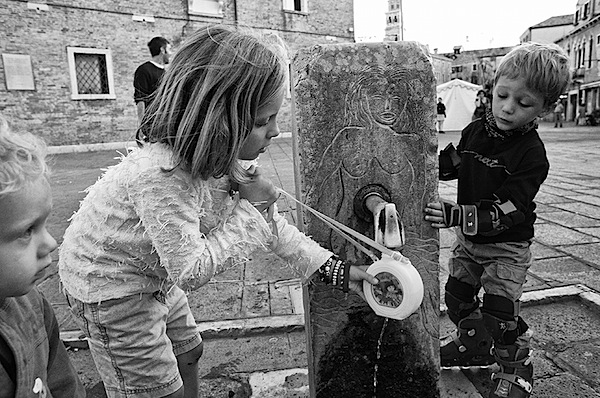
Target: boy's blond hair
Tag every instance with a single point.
(22, 159)
(545, 68)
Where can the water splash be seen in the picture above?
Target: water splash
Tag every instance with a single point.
(376, 368)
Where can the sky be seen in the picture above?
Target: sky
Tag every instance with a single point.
(472, 24)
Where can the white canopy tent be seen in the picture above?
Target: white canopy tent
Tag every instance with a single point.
(459, 98)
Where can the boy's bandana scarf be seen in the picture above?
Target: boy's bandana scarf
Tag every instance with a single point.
(494, 132)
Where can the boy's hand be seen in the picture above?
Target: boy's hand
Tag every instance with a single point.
(357, 275)
(435, 214)
(445, 214)
(260, 191)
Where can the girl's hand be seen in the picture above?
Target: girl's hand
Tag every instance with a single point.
(260, 191)
(357, 275)
(433, 213)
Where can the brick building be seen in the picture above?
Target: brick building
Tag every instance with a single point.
(548, 31)
(67, 67)
(476, 66)
(582, 44)
(442, 67)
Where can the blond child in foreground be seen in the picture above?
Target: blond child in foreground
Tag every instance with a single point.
(33, 359)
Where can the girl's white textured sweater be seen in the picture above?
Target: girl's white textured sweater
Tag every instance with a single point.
(142, 229)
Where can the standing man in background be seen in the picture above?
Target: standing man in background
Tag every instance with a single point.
(441, 115)
(558, 114)
(147, 75)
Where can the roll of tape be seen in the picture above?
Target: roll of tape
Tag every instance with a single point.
(399, 292)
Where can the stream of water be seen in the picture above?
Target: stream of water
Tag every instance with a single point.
(385, 322)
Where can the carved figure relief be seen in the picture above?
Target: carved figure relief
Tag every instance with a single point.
(381, 137)
(379, 134)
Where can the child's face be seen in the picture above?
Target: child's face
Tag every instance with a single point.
(514, 105)
(25, 244)
(265, 128)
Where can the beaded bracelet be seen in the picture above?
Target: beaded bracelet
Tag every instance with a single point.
(325, 270)
(335, 272)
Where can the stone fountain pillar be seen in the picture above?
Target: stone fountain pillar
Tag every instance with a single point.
(364, 115)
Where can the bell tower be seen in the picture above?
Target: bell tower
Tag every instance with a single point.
(393, 21)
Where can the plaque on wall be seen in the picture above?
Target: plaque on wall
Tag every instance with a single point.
(18, 72)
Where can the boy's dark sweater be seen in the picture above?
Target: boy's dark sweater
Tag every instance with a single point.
(512, 169)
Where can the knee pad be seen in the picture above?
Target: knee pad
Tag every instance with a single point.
(501, 319)
(461, 299)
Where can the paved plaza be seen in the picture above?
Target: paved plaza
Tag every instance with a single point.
(252, 316)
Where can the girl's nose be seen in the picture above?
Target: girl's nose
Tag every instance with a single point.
(274, 131)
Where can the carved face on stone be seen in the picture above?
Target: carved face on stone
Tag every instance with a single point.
(384, 101)
(381, 96)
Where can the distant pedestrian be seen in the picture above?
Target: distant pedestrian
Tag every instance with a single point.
(581, 115)
(481, 105)
(441, 115)
(147, 75)
(558, 114)
(500, 163)
(188, 204)
(33, 359)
